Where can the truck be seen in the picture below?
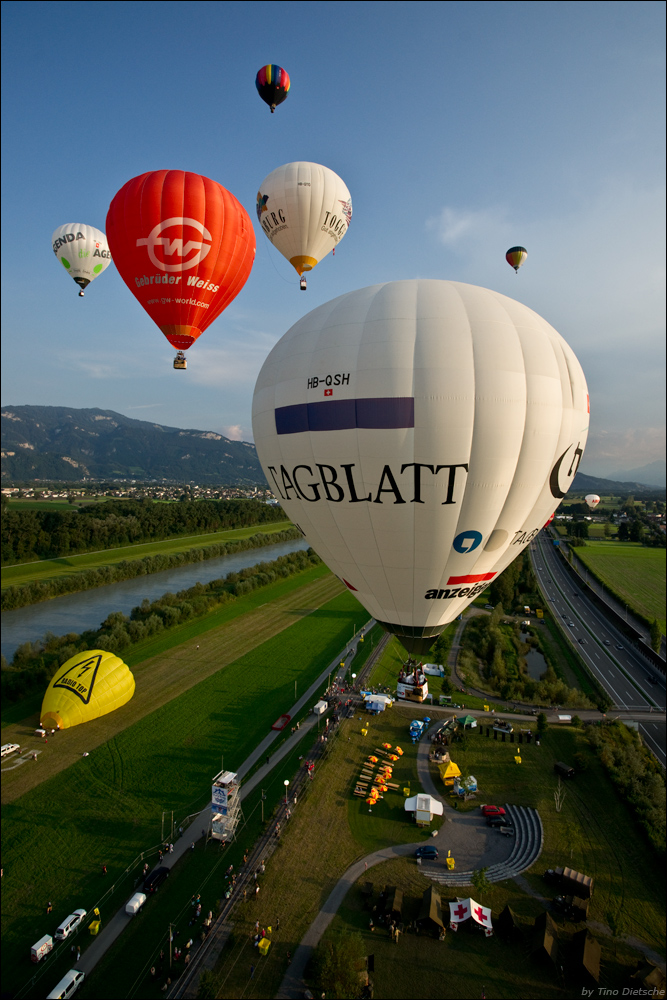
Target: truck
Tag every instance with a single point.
(41, 948)
(563, 770)
(320, 707)
(570, 882)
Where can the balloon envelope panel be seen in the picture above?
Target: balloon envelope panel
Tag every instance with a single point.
(184, 246)
(420, 433)
(88, 685)
(305, 209)
(82, 250)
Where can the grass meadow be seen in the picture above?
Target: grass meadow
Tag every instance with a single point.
(51, 569)
(107, 808)
(635, 573)
(331, 828)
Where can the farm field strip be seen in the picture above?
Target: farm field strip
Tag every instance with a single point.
(636, 573)
(161, 678)
(49, 569)
(107, 808)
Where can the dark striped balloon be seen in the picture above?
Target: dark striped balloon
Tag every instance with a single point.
(272, 84)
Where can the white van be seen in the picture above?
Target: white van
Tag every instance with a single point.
(68, 985)
(134, 904)
(69, 924)
(8, 748)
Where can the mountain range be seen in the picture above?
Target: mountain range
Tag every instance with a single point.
(64, 444)
(653, 474)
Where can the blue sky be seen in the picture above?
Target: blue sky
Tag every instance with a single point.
(460, 130)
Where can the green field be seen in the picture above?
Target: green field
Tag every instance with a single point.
(107, 808)
(50, 569)
(635, 573)
(331, 829)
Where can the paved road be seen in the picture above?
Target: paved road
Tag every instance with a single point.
(628, 678)
(198, 828)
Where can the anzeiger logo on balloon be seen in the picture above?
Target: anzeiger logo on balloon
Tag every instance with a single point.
(176, 246)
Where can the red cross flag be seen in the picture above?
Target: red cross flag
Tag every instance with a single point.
(480, 914)
(459, 911)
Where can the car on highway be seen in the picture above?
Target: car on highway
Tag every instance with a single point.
(154, 879)
(607, 642)
(563, 615)
(582, 641)
(618, 646)
(431, 853)
(571, 624)
(488, 811)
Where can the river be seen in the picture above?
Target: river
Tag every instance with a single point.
(88, 609)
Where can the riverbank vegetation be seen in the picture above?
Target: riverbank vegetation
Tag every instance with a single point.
(34, 663)
(35, 591)
(37, 534)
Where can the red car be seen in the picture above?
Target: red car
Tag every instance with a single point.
(492, 811)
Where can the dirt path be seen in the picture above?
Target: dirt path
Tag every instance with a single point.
(159, 680)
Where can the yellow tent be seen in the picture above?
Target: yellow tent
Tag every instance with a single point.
(88, 685)
(449, 771)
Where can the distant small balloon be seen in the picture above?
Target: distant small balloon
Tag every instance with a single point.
(88, 685)
(273, 85)
(592, 500)
(516, 257)
(82, 250)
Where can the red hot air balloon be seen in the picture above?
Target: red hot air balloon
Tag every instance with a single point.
(184, 246)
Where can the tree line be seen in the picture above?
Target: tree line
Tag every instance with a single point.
(28, 535)
(34, 663)
(32, 593)
(636, 774)
(497, 652)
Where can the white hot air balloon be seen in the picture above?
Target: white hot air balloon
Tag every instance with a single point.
(82, 250)
(420, 433)
(592, 500)
(305, 209)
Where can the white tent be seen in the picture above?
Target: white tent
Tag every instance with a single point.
(425, 807)
(464, 909)
(435, 669)
(385, 698)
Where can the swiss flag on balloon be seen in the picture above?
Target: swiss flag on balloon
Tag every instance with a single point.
(328, 392)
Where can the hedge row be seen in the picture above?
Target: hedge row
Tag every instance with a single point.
(34, 664)
(32, 593)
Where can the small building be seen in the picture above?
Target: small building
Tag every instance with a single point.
(449, 771)
(225, 805)
(467, 721)
(430, 914)
(585, 957)
(393, 901)
(424, 807)
(544, 944)
(508, 926)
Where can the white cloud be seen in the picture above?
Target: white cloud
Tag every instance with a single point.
(234, 433)
(459, 226)
(235, 365)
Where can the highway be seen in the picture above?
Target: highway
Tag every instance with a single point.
(635, 687)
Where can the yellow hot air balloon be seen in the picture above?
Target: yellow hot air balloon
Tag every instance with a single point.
(88, 685)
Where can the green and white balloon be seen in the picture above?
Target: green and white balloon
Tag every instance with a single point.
(82, 250)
